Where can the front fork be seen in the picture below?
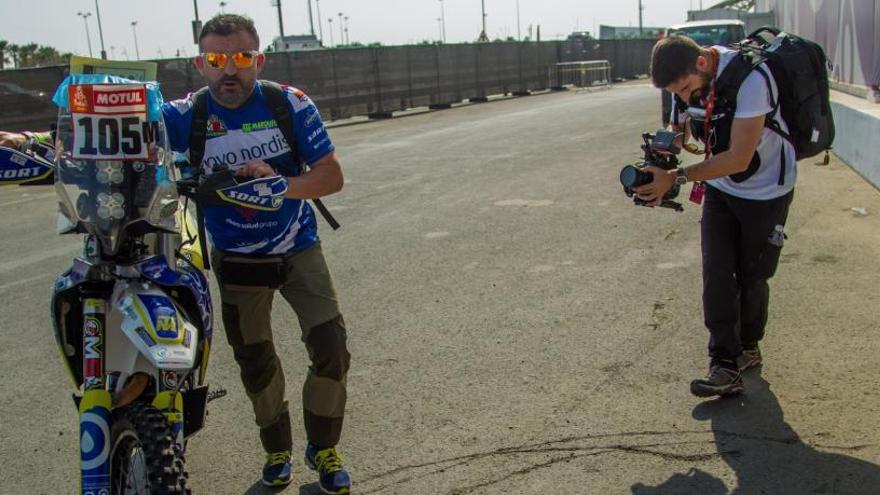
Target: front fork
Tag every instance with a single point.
(96, 404)
(94, 408)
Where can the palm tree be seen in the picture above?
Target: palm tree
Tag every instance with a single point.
(46, 55)
(26, 54)
(3, 54)
(14, 51)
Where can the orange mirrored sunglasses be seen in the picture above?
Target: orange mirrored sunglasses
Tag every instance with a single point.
(241, 60)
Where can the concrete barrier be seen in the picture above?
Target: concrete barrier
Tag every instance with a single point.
(857, 125)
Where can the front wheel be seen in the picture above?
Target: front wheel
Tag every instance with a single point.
(144, 458)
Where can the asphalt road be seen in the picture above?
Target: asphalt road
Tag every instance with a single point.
(516, 325)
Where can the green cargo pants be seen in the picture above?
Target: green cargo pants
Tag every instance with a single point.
(308, 288)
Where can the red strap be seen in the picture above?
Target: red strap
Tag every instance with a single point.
(710, 102)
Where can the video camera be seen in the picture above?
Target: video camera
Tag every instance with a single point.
(660, 151)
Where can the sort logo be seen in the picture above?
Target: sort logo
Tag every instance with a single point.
(250, 198)
(22, 173)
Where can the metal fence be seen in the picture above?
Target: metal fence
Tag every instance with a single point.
(582, 74)
(365, 81)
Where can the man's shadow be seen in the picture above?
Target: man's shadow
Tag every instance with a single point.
(766, 454)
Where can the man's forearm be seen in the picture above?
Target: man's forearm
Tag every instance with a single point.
(317, 182)
(720, 165)
(17, 139)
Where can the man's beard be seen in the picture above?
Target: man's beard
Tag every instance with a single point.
(230, 98)
(697, 96)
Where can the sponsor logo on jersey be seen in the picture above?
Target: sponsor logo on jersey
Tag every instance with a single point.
(258, 126)
(216, 127)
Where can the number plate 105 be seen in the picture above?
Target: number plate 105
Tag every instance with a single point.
(109, 121)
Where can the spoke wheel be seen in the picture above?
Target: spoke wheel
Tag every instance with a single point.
(144, 458)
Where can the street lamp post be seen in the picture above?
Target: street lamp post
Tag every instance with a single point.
(100, 31)
(347, 36)
(518, 30)
(442, 23)
(85, 17)
(641, 8)
(277, 3)
(311, 18)
(341, 30)
(320, 26)
(222, 5)
(483, 36)
(196, 24)
(137, 51)
(330, 29)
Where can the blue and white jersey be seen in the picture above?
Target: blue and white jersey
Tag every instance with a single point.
(250, 132)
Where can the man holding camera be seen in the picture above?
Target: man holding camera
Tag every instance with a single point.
(749, 174)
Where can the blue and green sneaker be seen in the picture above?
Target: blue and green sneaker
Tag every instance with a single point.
(276, 471)
(332, 476)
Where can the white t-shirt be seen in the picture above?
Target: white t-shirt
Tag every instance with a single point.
(751, 101)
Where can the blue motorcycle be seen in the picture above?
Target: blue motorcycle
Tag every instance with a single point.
(132, 317)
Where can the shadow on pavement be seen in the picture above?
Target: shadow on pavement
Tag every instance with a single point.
(259, 489)
(766, 454)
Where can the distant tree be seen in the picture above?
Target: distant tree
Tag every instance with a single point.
(13, 54)
(46, 56)
(4, 53)
(374, 44)
(26, 55)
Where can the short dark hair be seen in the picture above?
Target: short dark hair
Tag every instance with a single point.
(673, 57)
(226, 24)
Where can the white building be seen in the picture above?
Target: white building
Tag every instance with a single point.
(296, 43)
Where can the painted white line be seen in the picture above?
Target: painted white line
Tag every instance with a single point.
(25, 280)
(28, 198)
(69, 251)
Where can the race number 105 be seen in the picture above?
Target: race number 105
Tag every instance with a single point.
(109, 122)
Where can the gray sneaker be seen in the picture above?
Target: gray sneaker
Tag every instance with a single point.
(721, 381)
(749, 358)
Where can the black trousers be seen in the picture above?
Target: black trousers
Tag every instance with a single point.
(737, 262)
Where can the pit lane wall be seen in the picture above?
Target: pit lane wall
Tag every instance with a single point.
(365, 81)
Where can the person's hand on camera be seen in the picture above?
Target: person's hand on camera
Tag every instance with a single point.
(654, 191)
(12, 140)
(256, 169)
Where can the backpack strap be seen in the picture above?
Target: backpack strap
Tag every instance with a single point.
(280, 107)
(770, 123)
(198, 127)
(732, 79)
(735, 74)
(198, 134)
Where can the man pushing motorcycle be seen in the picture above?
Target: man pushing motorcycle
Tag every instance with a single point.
(259, 249)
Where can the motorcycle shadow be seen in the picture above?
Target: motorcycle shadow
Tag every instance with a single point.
(259, 489)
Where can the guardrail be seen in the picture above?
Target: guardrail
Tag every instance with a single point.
(581, 74)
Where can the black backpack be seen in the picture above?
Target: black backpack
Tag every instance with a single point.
(277, 101)
(800, 69)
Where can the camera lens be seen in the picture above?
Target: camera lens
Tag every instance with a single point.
(631, 176)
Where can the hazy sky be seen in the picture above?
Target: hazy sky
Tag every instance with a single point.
(164, 26)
